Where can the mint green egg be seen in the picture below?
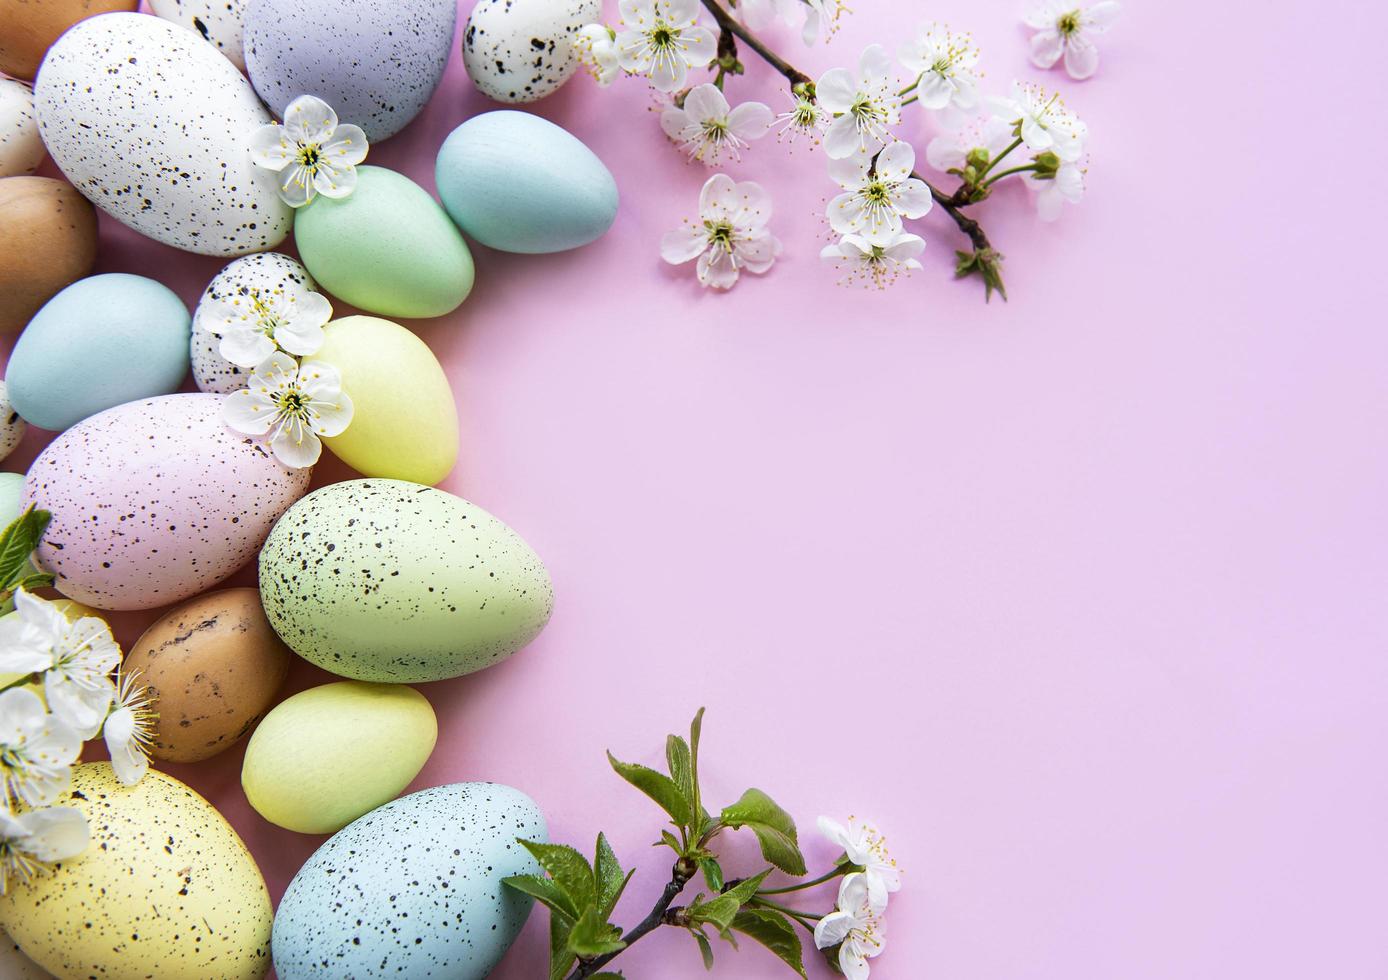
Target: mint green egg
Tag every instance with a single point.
(386, 248)
(11, 489)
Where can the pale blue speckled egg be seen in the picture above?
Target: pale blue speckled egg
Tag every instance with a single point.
(412, 889)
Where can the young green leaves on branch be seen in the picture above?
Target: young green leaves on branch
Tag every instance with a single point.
(17, 543)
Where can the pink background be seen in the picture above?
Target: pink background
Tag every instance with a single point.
(1079, 597)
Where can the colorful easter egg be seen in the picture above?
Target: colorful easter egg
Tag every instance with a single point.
(28, 28)
(49, 241)
(219, 22)
(350, 562)
(522, 50)
(329, 754)
(15, 965)
(154, 501)
(165, 889)
(21, 150)
(388, 248)
(413, 889)
(376, 66)
(405, 424)
(519, 183)
(11, 424)
(213, 667)
(151, 124)
(101, 342)
(266, 276)
(11, 493)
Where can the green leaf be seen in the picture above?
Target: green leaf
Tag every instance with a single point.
(774, 931)
(696, 729)
(720, 911)
(34, 580)
(569, 869)
(681, 763)
(545, 891)
(670, 841)
(705, 948)
(592, 935)
(774, 828)
(18, 541)
(713, 873)
(560, 959)
(657, 786)
(609, 877)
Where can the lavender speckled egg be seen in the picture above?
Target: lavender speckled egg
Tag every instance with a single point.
(21, 149)
(165, 889)
(154, 501)
(264, 274)
(151, 124)
(12, 427)
(219, 22)
(522, 50)
(412, 889)
(376, 63)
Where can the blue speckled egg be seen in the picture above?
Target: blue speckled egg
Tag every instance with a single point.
(519, 183)
(101, 342)
(412, 889)
(376, 62)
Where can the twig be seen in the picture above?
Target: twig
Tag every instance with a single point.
(679, 877)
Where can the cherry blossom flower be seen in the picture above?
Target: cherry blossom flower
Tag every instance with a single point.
(663, 40)
(855, 927)
(1053, 191)
(75, 658)
(709, 130)
(984, 138)
(813, 15)
(253, 323)
(805, 118)
(864, 846)
(1042, 120)
(129, 730)
(946, 68)
(36, 751)
(864, 106)
(878, 192)
(875, 265)
(294, 404)
(596, 45)
(731, 237)
(312, 152)
(1065, 29)
(30, 840)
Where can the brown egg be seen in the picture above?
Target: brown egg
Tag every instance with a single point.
(213, 666)
(28, 28)
(47, 241)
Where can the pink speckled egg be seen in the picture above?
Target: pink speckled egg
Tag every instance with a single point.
(154, 501)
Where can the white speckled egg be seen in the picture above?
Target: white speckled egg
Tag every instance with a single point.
(165, 889)
(522, 50)
(260, 274)
(376, 62)
(413, 889)
(154, 501)
(21, 149)
(11, 425)
(151, 124)
(217, 21)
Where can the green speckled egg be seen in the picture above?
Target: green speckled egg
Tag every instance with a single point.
(166, 889)
(383, 580)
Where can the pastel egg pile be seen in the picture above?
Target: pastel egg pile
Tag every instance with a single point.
(384, 580)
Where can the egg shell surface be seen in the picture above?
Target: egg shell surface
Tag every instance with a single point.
(351, 562)
(376, 66)
(413, 889)
(213, 667)
(28, 28)
(151, 124)
(190, 502)
(165, 889)
(15, 965)
(101, 342)
(387, 248)
(49, 242)
(12, 427)
(522, 50)
(404, 423)
(21, 150)
(327, 755)
(219, 22)
(519, 183)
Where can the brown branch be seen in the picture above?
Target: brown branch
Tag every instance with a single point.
(679, 877)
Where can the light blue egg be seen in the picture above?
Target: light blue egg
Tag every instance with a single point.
(412, 889)
(11, 489)
(101, 342)
(519, 183)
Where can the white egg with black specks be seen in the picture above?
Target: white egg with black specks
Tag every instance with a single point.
(265, 274)
(12, 427)
(413, 889)
(522, 50)
(21, 149)
(151, 124)
(219, 22)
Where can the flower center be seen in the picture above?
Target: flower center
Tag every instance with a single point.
(293, 404)
(715, 130)
(877, 192)
(1068, 23)
(865, 110)
(309, 156)
(662, 37)
(267, 318)
(720, 235)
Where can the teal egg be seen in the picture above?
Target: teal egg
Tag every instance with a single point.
(519, 183)
(101, 342)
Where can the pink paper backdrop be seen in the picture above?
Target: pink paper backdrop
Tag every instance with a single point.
(1079, 597)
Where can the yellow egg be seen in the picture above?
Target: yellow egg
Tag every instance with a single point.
(405, 426)
(329, 754)
(165, 889)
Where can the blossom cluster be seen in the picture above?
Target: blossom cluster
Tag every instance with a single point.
(65, 688)
(856, 925)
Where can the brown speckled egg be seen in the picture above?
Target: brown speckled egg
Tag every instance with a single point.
(49, 242)
(213, 666)
(154, 501)
(29, 27)
(165, 889)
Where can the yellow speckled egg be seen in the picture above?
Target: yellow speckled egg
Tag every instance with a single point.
(329, 754)
(405, 426)
(14, 965)
(166, 889)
